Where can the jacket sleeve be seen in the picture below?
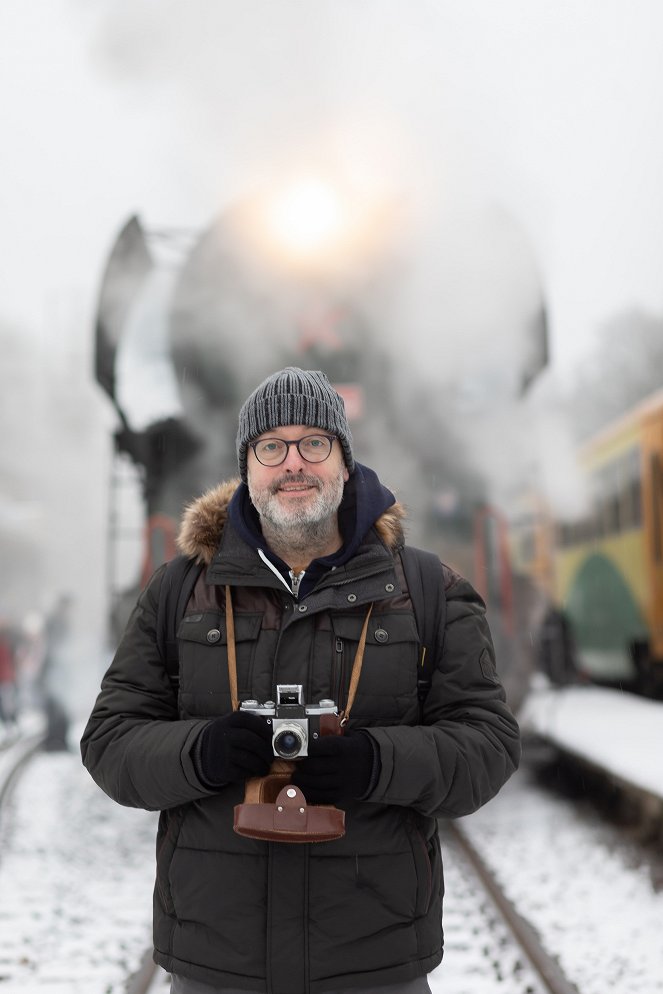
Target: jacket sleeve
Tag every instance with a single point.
(469, 744)
(134, 746)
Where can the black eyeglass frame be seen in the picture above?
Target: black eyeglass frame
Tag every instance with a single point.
(297, 441)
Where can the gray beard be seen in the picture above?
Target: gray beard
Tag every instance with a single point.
(299, 530)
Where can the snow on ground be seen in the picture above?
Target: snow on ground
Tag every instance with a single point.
(588, 894)
(76, 895)
(76, 877)
(480, 955)
(615, 730)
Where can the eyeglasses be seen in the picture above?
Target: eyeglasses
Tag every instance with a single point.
(274, 451)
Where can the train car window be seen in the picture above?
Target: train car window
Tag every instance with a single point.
(636, 501)
(657, 509)
(617, 497)
(631, 491)
(612, 483)
(612, 514)
(616, 506)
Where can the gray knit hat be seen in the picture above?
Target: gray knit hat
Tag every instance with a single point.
(293, 396)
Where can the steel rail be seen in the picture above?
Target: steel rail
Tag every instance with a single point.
(141, 981)
(542, 963)
(14, 757)
(547, 968)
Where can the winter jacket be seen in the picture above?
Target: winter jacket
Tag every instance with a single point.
(360, 911)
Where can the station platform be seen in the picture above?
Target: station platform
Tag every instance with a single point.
(616, 731)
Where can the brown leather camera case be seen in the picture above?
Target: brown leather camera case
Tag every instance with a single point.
(276, 811)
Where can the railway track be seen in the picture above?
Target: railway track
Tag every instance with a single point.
(14, 756)
(52, 915)
(519, 962)
(490, 947)
(75, 903)
(149, 978)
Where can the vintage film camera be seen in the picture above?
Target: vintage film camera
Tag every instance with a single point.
(294, 724)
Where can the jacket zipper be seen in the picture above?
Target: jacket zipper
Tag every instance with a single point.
(339, 670)
(295, 580)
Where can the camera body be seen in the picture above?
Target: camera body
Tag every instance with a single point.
(294, 723)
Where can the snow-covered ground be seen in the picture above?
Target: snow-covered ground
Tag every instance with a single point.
(481, 956)
(76, 875)
(588, 893)
(615, 730)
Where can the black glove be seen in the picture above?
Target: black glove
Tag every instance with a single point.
(338, 767)
(234, 747)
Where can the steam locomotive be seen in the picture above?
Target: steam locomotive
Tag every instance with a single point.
(188, 323)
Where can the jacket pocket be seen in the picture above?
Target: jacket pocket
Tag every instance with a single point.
(427, 877)
(170, 823)
(204, 689)
(387, 689)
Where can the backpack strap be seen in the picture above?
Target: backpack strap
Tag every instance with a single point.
(179, 579)
(425, 580)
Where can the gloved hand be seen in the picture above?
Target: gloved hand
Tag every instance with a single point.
(234, 747)
(338, 767)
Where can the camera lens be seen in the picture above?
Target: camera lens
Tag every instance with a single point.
(289, 741)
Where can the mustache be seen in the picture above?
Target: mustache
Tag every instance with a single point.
(294, 478)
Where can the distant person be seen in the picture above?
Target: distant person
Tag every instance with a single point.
(302, 597)
(556, 648)
(8, 695)
(54, 677)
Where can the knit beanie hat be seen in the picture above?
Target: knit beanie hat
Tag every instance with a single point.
(293, 396)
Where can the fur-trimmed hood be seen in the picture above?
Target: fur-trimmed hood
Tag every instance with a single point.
(205, 518)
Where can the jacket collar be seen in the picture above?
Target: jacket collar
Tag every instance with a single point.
(205, 519)
(364, 577)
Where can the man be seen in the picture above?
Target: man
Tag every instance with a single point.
(299, 559)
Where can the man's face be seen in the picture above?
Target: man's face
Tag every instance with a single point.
(297, 492)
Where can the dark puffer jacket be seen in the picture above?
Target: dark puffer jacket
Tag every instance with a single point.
(361, 911)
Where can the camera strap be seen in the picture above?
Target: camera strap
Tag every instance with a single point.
(232, 654)
(232, 659)
(356, 668)
(274, 810)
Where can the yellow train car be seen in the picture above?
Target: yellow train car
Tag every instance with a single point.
(602, 574)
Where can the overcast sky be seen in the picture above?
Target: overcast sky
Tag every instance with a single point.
(550, 111)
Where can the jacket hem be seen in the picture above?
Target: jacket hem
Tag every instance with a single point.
(374, 978)
(218, 978)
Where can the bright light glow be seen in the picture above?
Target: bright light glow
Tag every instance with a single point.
(307, 217)
(317, 225)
